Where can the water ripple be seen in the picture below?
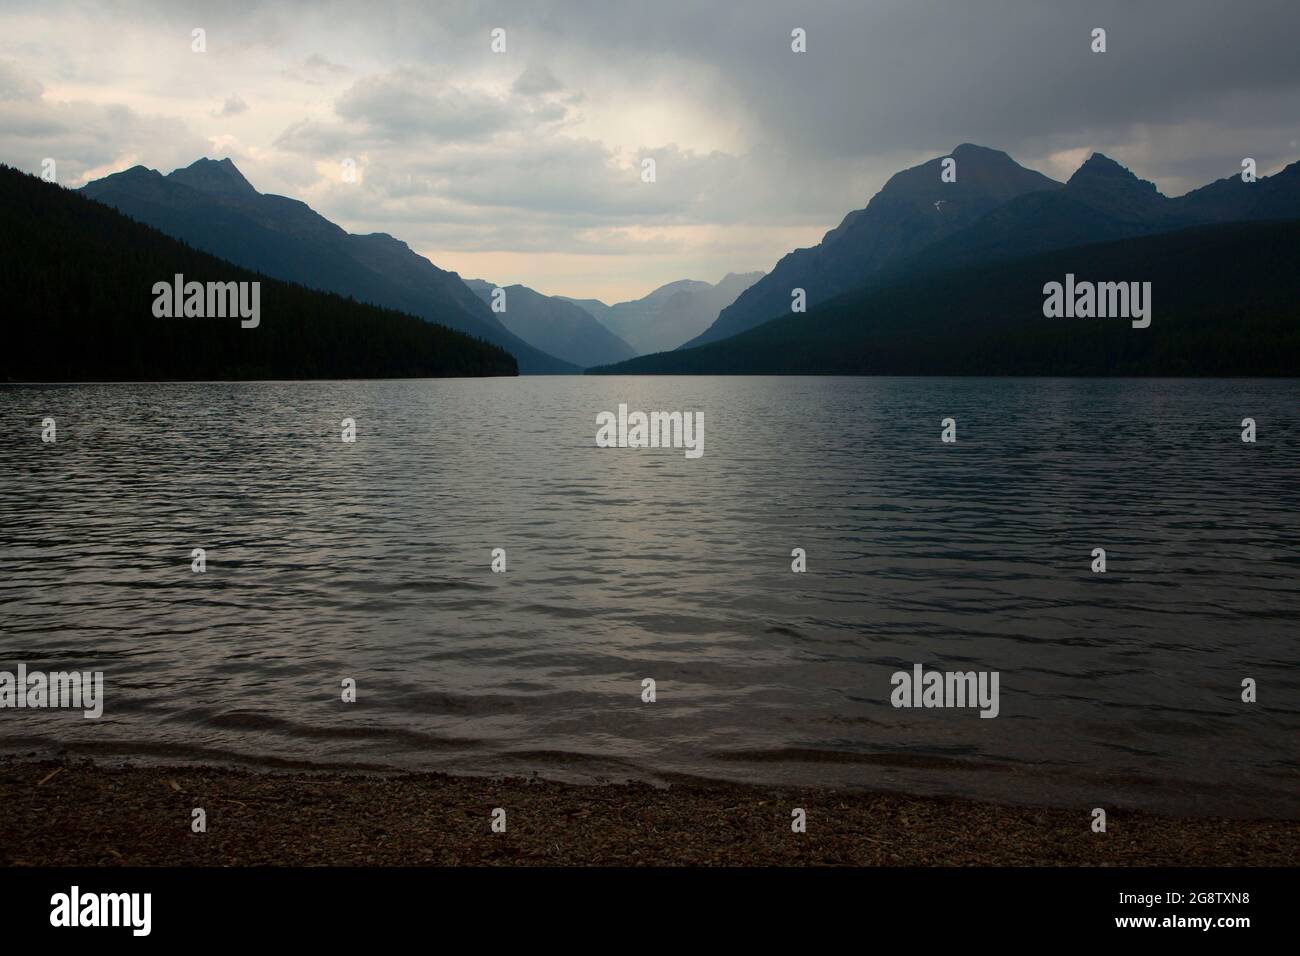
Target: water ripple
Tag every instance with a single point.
(370, 561)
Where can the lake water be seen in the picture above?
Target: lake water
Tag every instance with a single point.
(371, 561)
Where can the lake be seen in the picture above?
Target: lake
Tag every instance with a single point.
(371, 561)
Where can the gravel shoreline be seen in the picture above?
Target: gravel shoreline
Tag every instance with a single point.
(82, 814)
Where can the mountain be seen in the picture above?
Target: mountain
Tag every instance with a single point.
(1269, 197)
(555, 325)
(913, 210)
(1225, 302)
(593, 307)
(1102, 201)
(77, 279)
(212, 207)
(671, 314)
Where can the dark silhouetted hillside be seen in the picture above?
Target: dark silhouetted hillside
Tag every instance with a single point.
(995, 210)
(912, 211)
(211, 206)
(1225, 298)
(1102, 201)
(76, 279)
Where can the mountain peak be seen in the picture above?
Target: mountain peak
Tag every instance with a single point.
(1107, 186)
(214, 176)
(916, 207)
(974, 149)
(1099, 166)
(986, 160)
(989, 173)
(134, 172)
(137, 179)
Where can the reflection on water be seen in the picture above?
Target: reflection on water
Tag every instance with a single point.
(371, 560)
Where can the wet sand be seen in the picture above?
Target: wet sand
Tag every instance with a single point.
(79, 813)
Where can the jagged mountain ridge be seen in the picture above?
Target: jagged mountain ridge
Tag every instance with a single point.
(914, 209)
(211, 206)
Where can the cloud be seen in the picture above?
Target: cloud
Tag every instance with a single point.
(410, 104)
(232, 107)
(316, 70)
(535, 80)
(758, 148)
(312, 138)
(14, 85)
(86, 139)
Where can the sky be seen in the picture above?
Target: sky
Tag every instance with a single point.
(526, 165)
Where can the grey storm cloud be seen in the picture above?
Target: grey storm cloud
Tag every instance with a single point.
(1184, 90)
(915, 73)
(410, 104)
(315, 69)
(233, 106)
(536, 79)
(15, 86)
(541, 142)
(884, 77)
(79, 136)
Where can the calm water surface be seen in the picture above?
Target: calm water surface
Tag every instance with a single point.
(371, 560)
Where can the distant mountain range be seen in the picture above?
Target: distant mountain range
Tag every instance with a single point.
(1225, 302)
(914, 209)
(555, 325)
(870, 285)
(587, 332)
(212, 207)
(77, 281)
(1103, 200)
(671, 314)
(919, 231)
